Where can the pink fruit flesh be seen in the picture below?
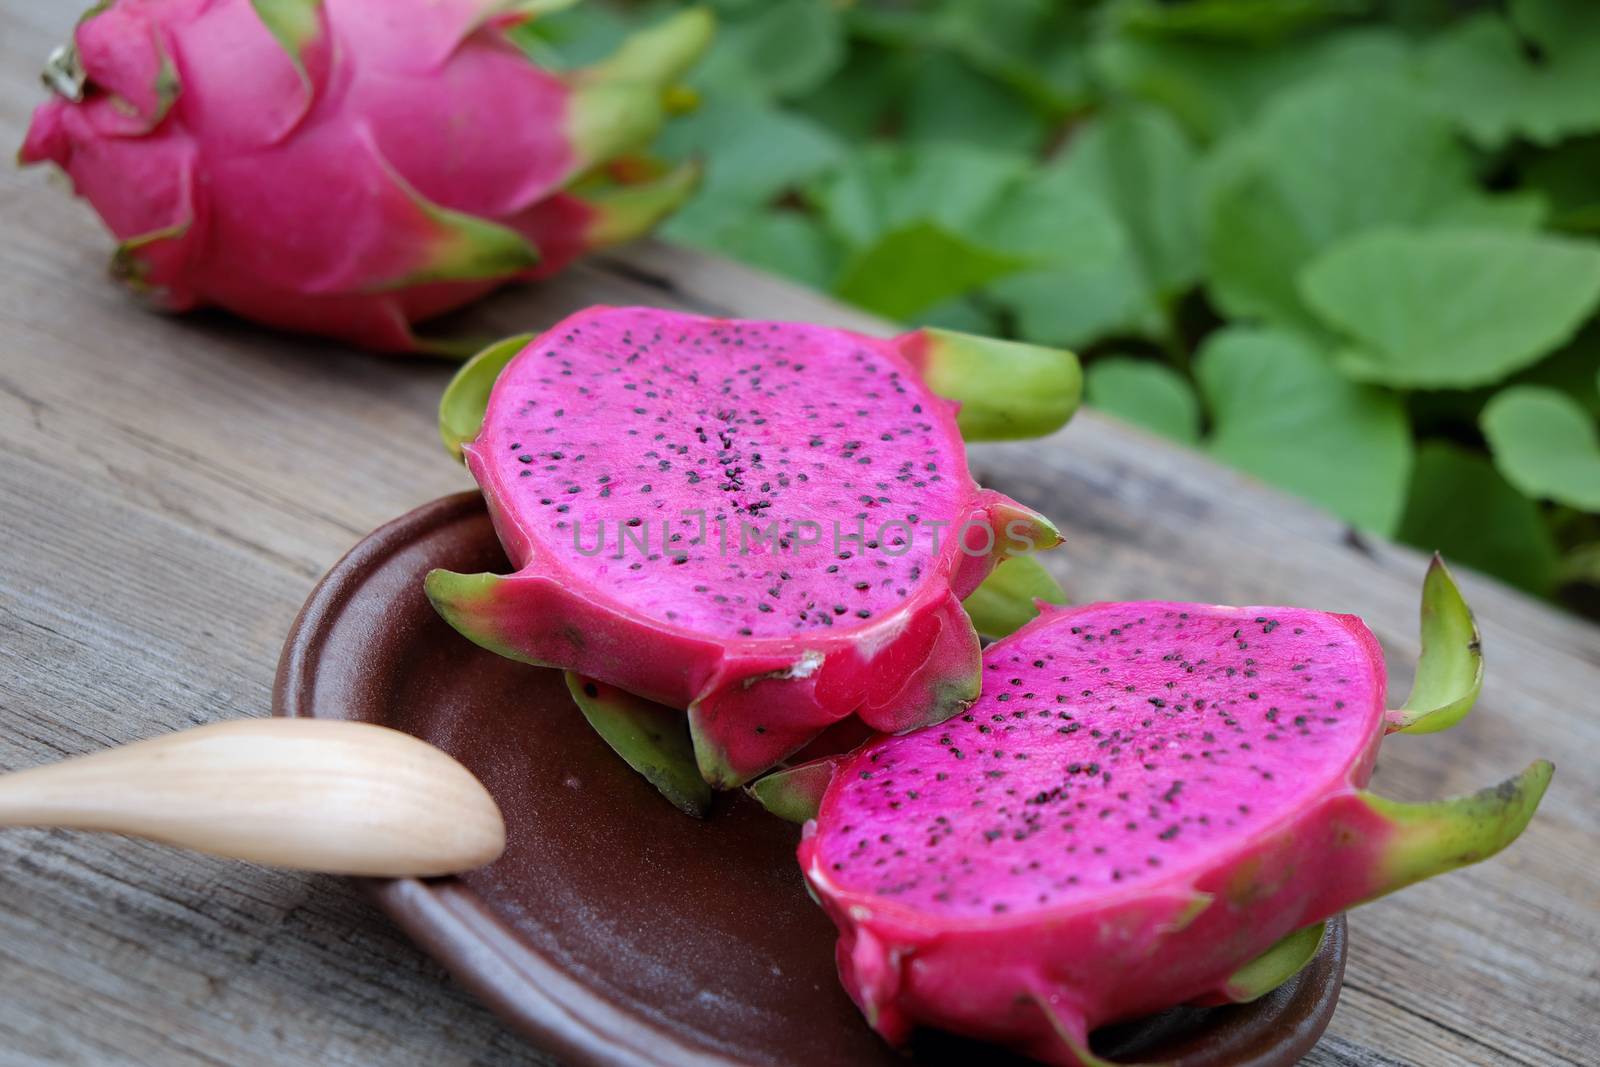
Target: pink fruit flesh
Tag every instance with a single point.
(749, 423)
(1116, 748)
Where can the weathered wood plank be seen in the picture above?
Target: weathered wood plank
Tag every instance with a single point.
(173, 488)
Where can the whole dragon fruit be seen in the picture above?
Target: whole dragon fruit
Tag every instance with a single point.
(349, 167)
(769, 525)
(1151, 803)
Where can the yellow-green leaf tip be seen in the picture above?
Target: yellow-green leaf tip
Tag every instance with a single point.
(1450, 667)
(466, 398)
(1006, 389)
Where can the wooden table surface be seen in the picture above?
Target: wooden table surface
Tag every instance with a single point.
(172, 488)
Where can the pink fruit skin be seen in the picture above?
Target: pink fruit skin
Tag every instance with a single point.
(1109, 950)
(302, 191)
(764, 693)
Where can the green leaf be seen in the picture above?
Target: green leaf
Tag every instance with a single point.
(1522, 209)
(1449, 307)
(572, 38)
(1258, 21)
(1255, 240)
(913, 268)
(1004, 603)
(948, 100)
(1091, 285)
(862, 97)
(915, 220)
(1034, 47)
(1571, 370)
(881, 189)
(1214, 87)
(754, 152)
(1281, 412)
(1545, 444)
(788, 47)
(784, 242)
(1459, 505)
(1147, 394)
(964, 314)
(1479, 74)
(1567, 33)
(1325, 162)
(1113, 229)
(1536, 76)
(1563, 28)
(1144, 168)
(1566, 178)
(1578, 584)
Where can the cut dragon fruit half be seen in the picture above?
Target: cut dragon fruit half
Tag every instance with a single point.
(768, 525)
(1150, 804)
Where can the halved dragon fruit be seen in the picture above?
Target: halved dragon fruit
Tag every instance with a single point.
(1151, 804)
(350, 167)
(769, 525)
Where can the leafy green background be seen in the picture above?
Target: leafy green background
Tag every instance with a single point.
(1349, 246)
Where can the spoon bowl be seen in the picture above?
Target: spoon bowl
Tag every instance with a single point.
(323, 795)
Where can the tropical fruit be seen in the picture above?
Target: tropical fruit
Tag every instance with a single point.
(1150, 804)
(768, 525)
(349, 167)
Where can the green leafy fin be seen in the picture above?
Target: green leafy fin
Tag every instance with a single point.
(651, 738)
(1010, 596)
(466, 248)
(1432, 838)
(294, 24)
(1450, 668)
(1018, 529)
(710, 755)
(466, 398)
(1275, 966)
(607, 119)
(659, 55)
(1006, 389)
(795, 793)
(166, 90)
(456, 349)
(619, 103)
(623, 212)
(453, 245)
(1072, 1032)
(474, 604)
(510, 12)
(131, 262)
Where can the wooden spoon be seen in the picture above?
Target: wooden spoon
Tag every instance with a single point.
(321, 795)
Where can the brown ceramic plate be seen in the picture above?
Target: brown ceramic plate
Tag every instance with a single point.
(616, 930)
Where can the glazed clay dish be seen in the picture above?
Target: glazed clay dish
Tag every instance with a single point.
(615, 930)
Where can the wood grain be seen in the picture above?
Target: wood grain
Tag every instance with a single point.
(173, 487)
